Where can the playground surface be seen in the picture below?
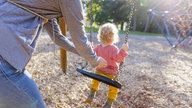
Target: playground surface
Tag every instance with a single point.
(153, 76)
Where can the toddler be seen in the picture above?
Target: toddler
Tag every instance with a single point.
(107, 36)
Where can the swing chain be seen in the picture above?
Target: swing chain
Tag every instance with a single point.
(130, 16)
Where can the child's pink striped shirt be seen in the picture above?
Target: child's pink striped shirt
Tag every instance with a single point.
(112, 55)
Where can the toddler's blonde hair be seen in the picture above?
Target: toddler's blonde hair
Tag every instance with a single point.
(108, 34)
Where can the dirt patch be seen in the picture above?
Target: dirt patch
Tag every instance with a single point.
(153, 76)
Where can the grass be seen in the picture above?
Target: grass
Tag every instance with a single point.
(95, 30)
(145, 33)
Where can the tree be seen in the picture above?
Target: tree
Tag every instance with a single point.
(118, 12)
(115, 11)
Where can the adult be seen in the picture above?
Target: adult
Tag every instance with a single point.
(21, 22)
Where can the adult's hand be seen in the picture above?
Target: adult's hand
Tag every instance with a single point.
(102, 62)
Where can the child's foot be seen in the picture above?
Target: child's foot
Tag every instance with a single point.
(108, 103)
(107, 106)
(89, 99)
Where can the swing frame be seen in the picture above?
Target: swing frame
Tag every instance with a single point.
(163, 24)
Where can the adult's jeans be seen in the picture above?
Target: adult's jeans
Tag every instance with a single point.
(18, 89)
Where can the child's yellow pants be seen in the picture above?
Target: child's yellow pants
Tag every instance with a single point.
(112, 91)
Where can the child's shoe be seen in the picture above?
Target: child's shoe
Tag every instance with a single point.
(91, 96)
(109, 103)
(89, 99)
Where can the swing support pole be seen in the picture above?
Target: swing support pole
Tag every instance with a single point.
(63, 53)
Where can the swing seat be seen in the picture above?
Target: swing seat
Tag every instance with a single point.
(99, 78)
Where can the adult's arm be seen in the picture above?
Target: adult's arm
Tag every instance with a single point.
(73, 15)
(58, 37)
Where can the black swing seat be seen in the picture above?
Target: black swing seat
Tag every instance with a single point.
(99, 78)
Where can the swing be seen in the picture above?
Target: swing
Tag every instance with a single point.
(112, 82)
(100, 78)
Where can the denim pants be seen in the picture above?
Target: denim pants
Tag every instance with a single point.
(18, 89)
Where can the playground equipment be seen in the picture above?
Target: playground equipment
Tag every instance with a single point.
(174, 21)
(99, 78)
(63, 53)
(113, 82)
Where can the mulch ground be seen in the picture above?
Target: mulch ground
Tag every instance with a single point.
(153, 76)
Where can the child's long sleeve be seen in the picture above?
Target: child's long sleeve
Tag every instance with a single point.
(120, 55)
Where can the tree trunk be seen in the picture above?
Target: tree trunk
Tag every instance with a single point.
(134, 22)
(122, 25)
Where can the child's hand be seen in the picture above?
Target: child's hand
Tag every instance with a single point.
(125, 47)
(102, 62)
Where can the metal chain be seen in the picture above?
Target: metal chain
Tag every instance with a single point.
(130, 16)
(91, 20)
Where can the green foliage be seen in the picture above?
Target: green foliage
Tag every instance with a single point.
(102, 11)
(118, 12)
(94, 29)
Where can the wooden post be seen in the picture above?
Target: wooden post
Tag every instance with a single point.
(63, 53)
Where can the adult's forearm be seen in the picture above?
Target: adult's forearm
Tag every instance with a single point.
(73, 15)
(58, 38)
